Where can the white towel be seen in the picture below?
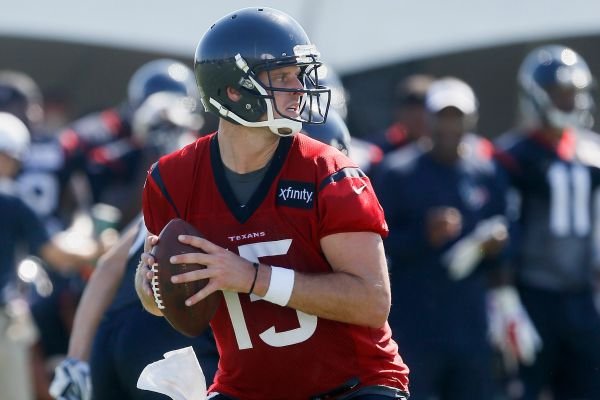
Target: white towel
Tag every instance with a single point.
(178, 376)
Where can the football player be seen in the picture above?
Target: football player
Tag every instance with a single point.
(43, 177)
(293, 230)
(102, 144)
(552, 160)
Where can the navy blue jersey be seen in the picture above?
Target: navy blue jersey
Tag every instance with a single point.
(19, 226)
(555, 183)
(410, 183)
(43, 180)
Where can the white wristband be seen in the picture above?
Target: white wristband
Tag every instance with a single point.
(281, 286)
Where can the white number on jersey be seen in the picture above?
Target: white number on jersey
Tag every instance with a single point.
(308, 323)
(569, 199)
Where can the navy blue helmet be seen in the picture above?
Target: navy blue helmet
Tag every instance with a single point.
(163, 75)
(555, 88)
(244, 43)
(333, 132)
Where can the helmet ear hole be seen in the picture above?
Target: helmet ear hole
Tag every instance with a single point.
(233, 94)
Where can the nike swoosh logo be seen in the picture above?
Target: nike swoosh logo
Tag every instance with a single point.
(360, 189)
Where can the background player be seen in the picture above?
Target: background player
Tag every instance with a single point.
(105, 340)
(553, 163)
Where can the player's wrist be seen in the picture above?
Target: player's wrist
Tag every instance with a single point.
(255, 266)
(263, 276)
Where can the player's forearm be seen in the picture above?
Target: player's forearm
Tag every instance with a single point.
(65, 260)
(337, 296)
(95, 300)
(342, 297)
(98, 295)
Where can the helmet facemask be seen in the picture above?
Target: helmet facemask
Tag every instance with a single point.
(257, 103)
(538, 101)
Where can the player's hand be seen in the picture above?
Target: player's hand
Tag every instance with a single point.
(511, 329)
(71, 381)
(224, 269)
(443, 224)
(495, 243)
(487, 240)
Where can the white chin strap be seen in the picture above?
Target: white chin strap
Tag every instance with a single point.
(279, 126)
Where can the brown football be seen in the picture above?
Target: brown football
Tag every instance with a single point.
(170, 297)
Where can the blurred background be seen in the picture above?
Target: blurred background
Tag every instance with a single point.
(82, 53)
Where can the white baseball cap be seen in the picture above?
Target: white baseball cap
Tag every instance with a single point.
(14, 136)
(450, 92)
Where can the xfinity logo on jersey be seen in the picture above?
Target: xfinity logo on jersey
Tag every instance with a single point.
(295, 194)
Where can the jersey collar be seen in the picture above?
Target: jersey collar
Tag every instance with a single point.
(243, 213)
(564, 147)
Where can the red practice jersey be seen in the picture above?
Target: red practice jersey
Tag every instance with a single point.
(310, 190)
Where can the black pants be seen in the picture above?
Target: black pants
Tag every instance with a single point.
(365, 393)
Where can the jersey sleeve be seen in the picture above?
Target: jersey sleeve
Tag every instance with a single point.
(157, 204)
(347, 203)
(30, 227)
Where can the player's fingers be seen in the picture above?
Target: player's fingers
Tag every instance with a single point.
(147, 259)
(201, 243)
(150, 242)
(202, 294)
(145, 274)
(191, 276)
(192, 258)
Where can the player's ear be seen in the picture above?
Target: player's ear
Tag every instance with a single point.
(233, 94)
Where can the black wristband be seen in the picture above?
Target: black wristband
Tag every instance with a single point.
(255, 265)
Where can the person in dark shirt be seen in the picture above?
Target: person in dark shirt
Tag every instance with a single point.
(444, 200)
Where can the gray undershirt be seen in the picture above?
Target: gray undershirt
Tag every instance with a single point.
(244, 185)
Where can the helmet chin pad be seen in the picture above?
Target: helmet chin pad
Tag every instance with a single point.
(285, 127)
(278, 126)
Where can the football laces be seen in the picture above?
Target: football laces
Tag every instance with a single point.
(155, 288)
